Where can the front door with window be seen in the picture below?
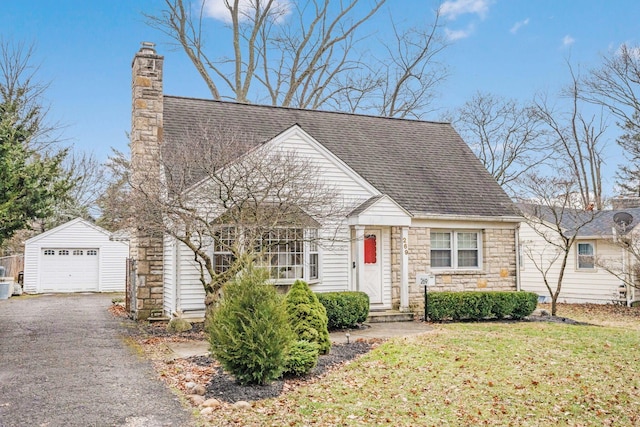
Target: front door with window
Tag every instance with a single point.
(372, 283)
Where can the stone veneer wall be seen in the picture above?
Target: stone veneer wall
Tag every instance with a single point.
(146, 247)
(498, 258)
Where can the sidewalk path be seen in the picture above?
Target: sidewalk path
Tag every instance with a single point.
(63, 362)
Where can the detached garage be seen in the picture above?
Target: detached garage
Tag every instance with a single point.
(77, 256)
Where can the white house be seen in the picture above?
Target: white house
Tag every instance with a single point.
(598, 270)
(419, 202)
(77, 256)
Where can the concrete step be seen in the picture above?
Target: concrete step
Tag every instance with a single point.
(389, 316)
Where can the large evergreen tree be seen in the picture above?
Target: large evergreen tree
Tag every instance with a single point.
(32, 179)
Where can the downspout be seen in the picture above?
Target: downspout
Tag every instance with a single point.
(176, 274)
(518, 257)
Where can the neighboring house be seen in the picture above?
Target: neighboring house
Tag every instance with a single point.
(77, 256)
(585, 278)
(420, 202)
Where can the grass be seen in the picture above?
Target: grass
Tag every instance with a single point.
(496, 374)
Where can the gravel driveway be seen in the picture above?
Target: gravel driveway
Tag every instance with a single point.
(63, 362)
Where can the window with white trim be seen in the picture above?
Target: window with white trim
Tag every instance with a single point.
(289, 253)
(78, 252)
(92, 252)
(586, 256)
(63, 252)
(222, 256)
(49, 252)
(456, 249)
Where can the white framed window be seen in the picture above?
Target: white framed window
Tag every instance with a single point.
(49, 252)
(78, 252)
(92, 252)
(313, 256)
(223, 241)
(456, 249)
(63, 252)
(289, 253)
(586, 256)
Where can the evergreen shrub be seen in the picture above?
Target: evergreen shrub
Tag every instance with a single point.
(249, 332)
(480, 305)
(345, 309)
(307, 317)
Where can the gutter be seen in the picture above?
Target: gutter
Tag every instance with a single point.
(517, 219)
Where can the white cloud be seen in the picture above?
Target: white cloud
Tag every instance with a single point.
(216, 9)
(519, 25)
(451, 9)
(568, 41)
(454, 35)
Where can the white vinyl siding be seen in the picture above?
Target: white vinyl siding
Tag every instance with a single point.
(335, 265)
(105, 257)
(578, 285)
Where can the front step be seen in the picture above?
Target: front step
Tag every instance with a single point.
(389, 316)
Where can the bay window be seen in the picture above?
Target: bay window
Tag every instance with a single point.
(455, 249)
(288, 253)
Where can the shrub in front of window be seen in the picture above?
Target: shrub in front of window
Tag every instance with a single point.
(249, 331)
(308, 318)
(480, 305)
(345, 309)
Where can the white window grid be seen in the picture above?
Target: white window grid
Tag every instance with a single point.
(456, 249)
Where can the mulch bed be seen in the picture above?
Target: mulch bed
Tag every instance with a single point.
(223, 386)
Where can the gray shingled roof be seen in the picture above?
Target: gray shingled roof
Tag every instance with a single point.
(599, 223)
(424, 166)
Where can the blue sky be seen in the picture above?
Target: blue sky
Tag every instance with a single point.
(512, 48)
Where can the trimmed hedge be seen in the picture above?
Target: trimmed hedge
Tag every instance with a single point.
(345, 309)
(480, 305)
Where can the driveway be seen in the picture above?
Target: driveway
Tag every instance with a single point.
(63, 362)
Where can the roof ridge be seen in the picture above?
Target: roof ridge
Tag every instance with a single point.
(277, 107)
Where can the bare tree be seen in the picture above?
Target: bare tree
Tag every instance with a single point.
(578, 140)
(627, 267)
(506, 136)
(302, 54)
(553, 218)
(616, 86)
(616, 83)
(231, 200)
(115, 209)
(21, 88)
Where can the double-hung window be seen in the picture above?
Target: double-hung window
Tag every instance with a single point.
(586, 256)
(456, 249)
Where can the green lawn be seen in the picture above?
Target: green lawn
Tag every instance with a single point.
(506, 374)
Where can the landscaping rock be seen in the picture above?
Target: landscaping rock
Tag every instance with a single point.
(199, 389)
(196, 399)
(178, 324)
(242, 405)
(211, 403)
(206, 411)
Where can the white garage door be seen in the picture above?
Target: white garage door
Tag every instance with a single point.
(69, 270)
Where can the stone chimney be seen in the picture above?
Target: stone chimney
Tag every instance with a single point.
(145, 282)
(625, 202)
